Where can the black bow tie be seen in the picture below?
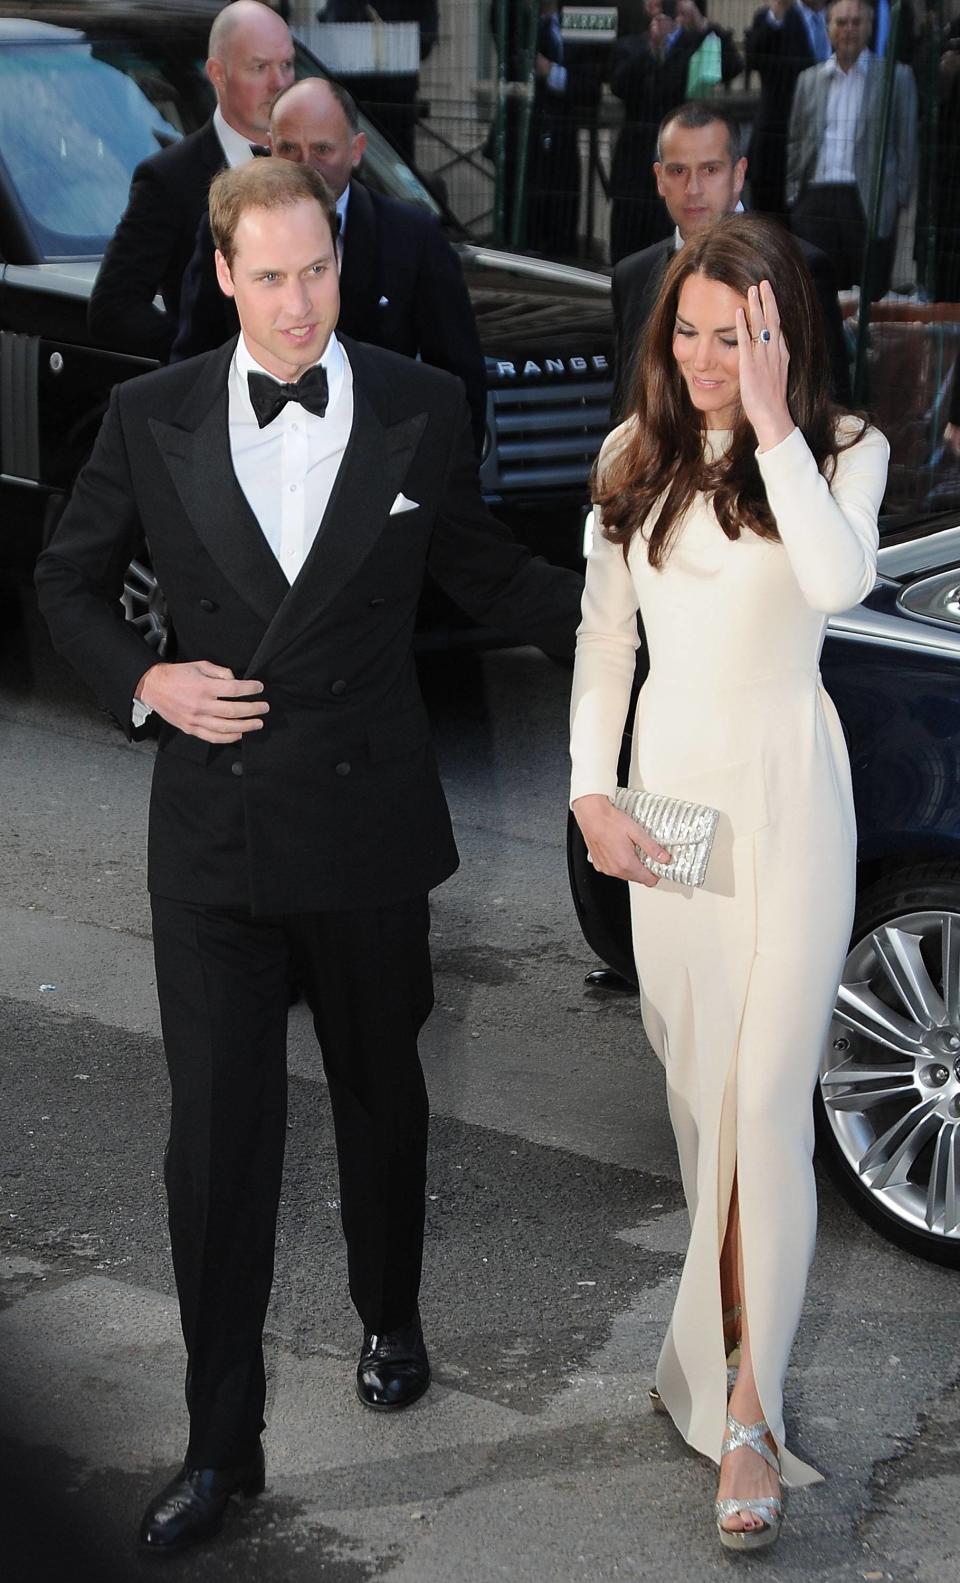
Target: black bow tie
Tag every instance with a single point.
(269, 397)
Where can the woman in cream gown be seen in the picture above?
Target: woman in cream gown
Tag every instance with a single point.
(738, 979)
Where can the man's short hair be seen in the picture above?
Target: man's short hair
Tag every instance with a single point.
(697, 113)
(344, 98)
(865, 5)
(263, 184)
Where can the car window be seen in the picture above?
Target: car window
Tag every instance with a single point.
(72, 129)
(78, 115)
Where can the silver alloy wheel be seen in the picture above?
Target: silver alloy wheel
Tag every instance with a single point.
(145, 607)
(890, 1073)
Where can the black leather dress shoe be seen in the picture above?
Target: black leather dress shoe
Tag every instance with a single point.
(394, 1369)
(191, 1507)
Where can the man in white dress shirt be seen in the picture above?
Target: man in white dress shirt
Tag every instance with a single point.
(251, 61)
(294, 488)
(833, 146)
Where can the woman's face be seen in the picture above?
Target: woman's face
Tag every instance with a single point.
(705, 346)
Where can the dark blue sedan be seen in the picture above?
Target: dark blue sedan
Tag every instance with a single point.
(888, 1101)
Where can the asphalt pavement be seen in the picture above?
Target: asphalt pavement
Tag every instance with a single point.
(555, 1227)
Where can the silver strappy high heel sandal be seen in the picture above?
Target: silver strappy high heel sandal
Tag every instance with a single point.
(729, 1318)
(767, 1507)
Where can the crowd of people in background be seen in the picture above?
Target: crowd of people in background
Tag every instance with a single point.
(823, 82)
(815, 71)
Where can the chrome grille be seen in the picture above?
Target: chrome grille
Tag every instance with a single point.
(545, 436)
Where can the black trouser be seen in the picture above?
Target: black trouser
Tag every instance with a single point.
(830, 216)
(222, 981)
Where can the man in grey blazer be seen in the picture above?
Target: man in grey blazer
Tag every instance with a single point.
(833, 145)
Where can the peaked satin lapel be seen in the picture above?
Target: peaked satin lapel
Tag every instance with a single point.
(196, 450)
(358, 274)
(374, 466)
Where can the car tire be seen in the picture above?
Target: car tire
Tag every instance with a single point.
(887, 1104)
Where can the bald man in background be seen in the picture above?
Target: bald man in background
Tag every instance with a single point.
(401, 284)
(251, 61)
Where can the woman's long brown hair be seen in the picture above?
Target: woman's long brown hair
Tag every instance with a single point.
(661, 464)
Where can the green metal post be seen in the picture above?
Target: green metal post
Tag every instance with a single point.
(929, 174)
(866, 273)
(518, 220)
(500, 127)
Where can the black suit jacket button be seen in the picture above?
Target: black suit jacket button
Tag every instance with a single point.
(342, 768)
(236, 768)
(209, 605)
(338, 688)
(376, 603)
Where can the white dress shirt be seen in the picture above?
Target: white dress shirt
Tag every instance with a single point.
(844, 100)
(287, 470)
(236, 147)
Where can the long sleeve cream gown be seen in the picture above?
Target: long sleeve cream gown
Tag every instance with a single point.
(738, 979)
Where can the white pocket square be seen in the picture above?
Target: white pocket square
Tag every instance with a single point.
(403, 504)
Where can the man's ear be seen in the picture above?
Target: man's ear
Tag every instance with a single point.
(658, 171)
(214, 70)
(359, 145)
(739, 176)
(224, 277)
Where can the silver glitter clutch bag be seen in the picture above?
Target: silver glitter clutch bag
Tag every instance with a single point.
(686, 829)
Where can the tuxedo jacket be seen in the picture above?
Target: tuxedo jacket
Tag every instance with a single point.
(152, 246)
(336, 802)
(637, 280)
(401, 287)
(808, 116)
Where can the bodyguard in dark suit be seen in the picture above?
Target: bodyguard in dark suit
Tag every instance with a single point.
(401, 285)
(700, 174)
(294, 490)
(251, 61)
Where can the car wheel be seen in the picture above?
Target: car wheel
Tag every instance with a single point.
(888, 1104)
(145, 607)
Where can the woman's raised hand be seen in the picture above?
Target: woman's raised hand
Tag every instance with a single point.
(764, 361)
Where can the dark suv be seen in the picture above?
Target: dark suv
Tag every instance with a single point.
(87, 90)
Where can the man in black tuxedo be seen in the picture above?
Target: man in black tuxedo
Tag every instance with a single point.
(294, 490)
(251, 61)
(700, 174)
(401, 285)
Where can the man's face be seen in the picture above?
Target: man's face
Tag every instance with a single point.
(848, 26)
(257, 64)
(697, 179)
(285, 284)
(310, 128)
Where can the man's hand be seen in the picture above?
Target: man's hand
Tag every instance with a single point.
(612, 839)
(203, 699)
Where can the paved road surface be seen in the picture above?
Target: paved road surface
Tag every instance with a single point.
(554, 1235)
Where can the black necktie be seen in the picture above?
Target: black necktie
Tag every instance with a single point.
(268, 396)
